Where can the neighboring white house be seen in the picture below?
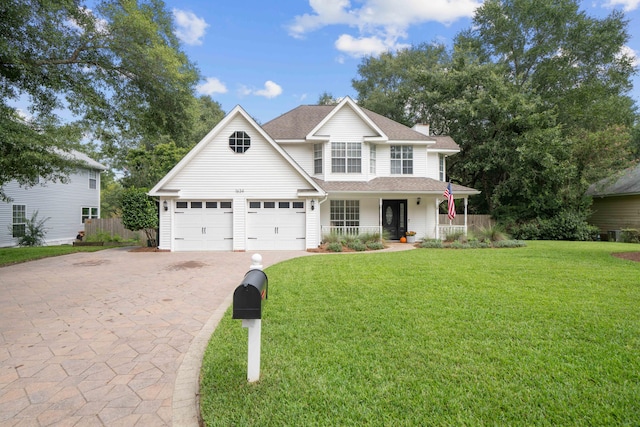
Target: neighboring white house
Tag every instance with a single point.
(67, 205)
(311, 171)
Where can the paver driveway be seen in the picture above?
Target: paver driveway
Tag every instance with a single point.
(111, 337)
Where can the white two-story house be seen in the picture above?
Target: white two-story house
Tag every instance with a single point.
(314, 170)
(67, 205)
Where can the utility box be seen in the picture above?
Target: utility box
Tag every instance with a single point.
(250, 295)
(614, 235)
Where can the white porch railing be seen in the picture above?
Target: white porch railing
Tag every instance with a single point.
(351, 231)
(446, 230)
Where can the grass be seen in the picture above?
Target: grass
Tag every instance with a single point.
(9, 256)
(543, 335)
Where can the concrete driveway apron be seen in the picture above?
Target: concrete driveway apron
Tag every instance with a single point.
(112, 337)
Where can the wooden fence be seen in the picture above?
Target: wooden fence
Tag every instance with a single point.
(474, 222)
(112, 226)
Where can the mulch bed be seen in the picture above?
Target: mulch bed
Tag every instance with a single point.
(631, 256)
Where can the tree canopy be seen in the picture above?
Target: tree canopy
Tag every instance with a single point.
(117, 68)
(535, 94)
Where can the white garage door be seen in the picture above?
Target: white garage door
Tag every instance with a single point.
(273, 224)
(203, 225)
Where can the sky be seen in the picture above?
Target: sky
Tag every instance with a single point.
(270, 57)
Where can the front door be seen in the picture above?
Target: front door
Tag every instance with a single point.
(394, 218)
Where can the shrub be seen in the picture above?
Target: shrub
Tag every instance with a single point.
(630, 235)
(139, 213)
(563, 226)
(357, 245)
(334, 247)
(34, 231)
(493, 234)
(374, 245)
(509, 244)
(431, 243)
(452, 237)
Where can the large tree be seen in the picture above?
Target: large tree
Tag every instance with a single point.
(118, 69)
(515, 103)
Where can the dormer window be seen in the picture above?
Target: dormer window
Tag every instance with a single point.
(239, 141)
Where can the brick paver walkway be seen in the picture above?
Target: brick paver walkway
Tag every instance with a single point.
(112, 338)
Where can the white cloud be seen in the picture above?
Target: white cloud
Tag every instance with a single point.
(210, 86)
(630, 53)
(271, 90)
(628, 5)
(364, 46)
(189, 28)
(379, 22)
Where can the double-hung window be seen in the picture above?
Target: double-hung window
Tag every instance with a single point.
(317, 158)
(93, 179)
(402, 159)
(19, 220)
(89, 213)
(441, 167)
(372, 159)
(346, 157)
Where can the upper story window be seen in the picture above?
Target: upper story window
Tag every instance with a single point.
(239, 141)
(402, 159)
(372, 159)
(346, 157)
(317, 158)
(93, 179)
(441, 167)
(19, 220)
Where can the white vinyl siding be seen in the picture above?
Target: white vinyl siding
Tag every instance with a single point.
(259, 172)
(62, 203)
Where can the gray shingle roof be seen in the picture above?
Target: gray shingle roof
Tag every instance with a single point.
(625, 183)
(395, 184)
(297, 123)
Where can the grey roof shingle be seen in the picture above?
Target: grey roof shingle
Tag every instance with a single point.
(625, 183)
(297, 123)
(394, 184)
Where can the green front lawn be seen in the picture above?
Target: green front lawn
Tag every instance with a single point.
(9, 256)
(548, 334)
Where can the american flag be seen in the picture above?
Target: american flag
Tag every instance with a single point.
(448, 193)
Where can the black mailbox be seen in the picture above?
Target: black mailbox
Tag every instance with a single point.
(248, 297)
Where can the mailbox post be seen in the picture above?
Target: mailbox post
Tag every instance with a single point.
(247, 305)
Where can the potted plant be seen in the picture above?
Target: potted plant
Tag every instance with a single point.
(411, 236)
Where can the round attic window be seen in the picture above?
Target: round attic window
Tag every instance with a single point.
(239, 141)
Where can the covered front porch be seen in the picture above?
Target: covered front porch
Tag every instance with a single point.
(391, 218)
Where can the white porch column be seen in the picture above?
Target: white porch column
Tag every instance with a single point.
(437, 218)
(466, 200)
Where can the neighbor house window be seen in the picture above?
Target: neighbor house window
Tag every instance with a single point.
(402, 159)
(93, 179)
(372, 159)
(19, 220)
(441, 166)
(317, 158)
(89, 213)
(345, 213)
(239, 141)
(346, 157)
